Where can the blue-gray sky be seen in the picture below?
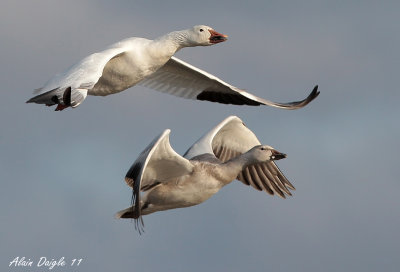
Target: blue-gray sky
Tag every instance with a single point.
(62, 172)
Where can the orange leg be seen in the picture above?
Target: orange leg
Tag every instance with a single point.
(61, 107)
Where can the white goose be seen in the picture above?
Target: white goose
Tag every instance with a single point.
(227, 152)
(149, 63)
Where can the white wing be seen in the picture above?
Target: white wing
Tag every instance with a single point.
(79, 77)
(204, 144)
(179, 78)
(231, 138)
(158, 163)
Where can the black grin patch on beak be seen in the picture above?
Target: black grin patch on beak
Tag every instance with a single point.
(217, 39)
(277, 156)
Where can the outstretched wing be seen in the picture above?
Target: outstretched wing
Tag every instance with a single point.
(179, 78)
(158, 163)
(231, 138)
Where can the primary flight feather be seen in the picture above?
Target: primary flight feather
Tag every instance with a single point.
(149, 63)
(227, 152)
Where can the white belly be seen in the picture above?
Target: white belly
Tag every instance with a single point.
(179, 194)
(124, 71)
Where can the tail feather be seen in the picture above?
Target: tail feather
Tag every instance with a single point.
(63, 96)
(133, 214)
(49, 98)
(127, 213)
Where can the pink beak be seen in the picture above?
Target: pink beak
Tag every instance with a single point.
(217, 37)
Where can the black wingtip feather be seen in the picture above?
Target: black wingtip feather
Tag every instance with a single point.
(299, 104)
(314, 93)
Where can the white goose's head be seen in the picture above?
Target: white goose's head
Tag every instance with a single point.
(202, 35)
(263, 153)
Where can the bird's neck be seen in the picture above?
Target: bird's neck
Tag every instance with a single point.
(232, 168)
(172, 42)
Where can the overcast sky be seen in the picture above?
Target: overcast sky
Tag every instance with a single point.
(62, 172)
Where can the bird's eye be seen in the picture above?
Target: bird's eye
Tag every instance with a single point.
(201, 30)
(262, 148)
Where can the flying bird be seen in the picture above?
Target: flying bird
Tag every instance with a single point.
(161, 179)
(149, 63)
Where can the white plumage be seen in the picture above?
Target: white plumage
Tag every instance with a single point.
(149, 63)
(227, 152)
